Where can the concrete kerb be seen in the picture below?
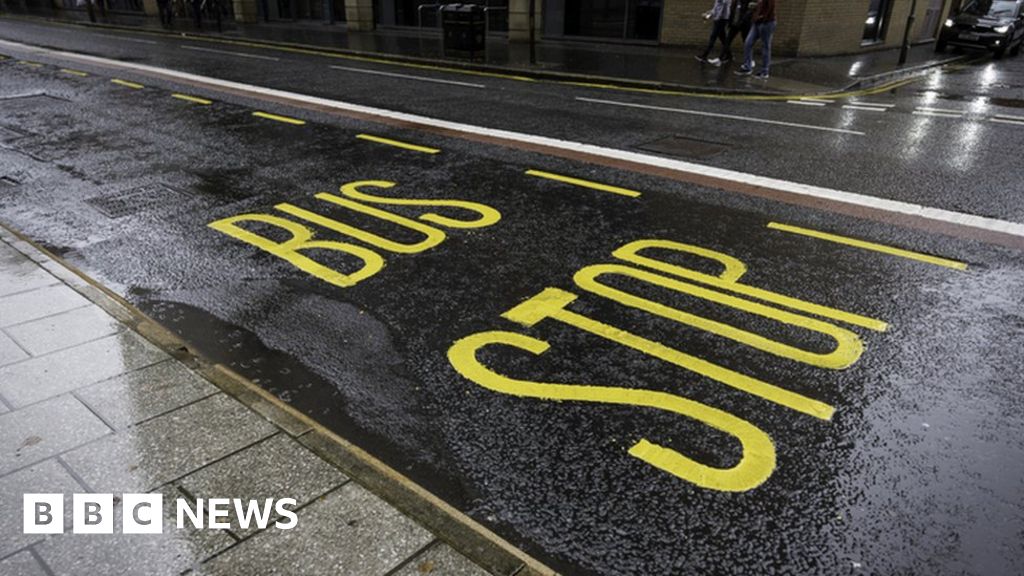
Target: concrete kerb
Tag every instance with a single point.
(507, 71)
(873, 80)
(450, 525)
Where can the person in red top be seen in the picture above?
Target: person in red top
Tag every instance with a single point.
(763, 29)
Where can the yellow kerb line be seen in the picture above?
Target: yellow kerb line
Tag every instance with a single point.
(195, 99)
(284, 119)
(870, 246)
(127, 84)
(398, 144)
(73, 72)
(584, 183)
(32, 64)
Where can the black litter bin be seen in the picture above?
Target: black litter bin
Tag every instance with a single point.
(465, 29)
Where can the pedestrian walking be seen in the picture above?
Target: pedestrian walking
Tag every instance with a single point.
(763, 29)
(719, 16)
(739, 25)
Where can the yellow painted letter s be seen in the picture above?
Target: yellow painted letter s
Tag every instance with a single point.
(302, 240)
(758, 452)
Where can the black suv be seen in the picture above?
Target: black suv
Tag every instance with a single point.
(997, 25)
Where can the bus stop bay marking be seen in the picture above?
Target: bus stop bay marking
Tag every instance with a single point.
(279, 118)
(757, 461)
(304, 238)
(193, 99)
(583, 183)
(398, 144)
(866, 245)
(127, 84)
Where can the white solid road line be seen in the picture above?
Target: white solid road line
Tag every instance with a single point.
(1006, 121)
(864, 107)
(240, 54)
(408, 77)
(125, 38)
(718, 115)
(872, 104)
(806, 102)
(937, 114)
(1010, 117)
(935, 215)
(940, 110)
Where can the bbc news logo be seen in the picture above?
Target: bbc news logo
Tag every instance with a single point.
(144, 513)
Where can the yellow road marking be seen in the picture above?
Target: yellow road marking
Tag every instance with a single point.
(757, 456)
(195, 99)
(848, 345)
(584, 183)
(32, 64)
(127, 84)
(74, 72)
(870, 246)
(284, 119)
(741, 97)
(398, 144)
(729, 280)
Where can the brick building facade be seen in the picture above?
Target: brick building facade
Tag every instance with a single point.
(814, 27)
(805, 27)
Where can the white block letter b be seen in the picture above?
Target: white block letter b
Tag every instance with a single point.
(43, 514)
(92, 514)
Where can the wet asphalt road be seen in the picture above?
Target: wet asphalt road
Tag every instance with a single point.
(919, 470)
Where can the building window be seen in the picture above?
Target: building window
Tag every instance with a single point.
(614, 19)
(876, 21)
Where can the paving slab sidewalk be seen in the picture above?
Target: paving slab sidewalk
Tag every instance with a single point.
(89, 405)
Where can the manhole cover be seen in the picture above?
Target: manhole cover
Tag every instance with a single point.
(134, 200)
(686, 147)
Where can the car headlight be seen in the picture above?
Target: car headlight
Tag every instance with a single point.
(949, 22)
(870, 21)
(1001, 29)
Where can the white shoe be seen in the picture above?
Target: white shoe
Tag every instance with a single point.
(715, 62)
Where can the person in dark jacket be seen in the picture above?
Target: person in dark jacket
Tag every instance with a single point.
(719, 16)
(763, 29)
(738, 26)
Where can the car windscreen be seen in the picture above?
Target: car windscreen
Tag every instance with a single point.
(991, 8)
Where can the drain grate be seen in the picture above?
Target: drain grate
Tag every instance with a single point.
(135, 200)
(686, 147)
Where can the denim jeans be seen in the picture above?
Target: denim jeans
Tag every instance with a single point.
(764, 31)
(718, 32)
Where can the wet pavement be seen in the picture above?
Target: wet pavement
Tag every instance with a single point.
(89, 405)
(647, 377)
(674, 66)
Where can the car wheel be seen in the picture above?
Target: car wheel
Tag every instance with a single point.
(1016, 49)
(940, 46)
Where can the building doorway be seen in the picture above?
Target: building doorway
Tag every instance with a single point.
(930, 27)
